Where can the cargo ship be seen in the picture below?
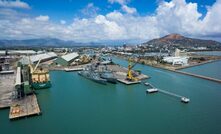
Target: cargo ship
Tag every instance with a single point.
(40, 79)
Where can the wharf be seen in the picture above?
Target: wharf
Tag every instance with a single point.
(121, 72)
(24, 107)
(7, 90)
(128, 82)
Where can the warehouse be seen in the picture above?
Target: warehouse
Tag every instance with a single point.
(66, 60)
(21, 52)
(35, 58)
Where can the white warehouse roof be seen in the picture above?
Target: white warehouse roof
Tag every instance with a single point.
(21, 52)
(36, 58)
(70, 56)
(2, 52)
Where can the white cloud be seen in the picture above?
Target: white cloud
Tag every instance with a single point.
(176, 16)
(14, 4)
(90, 10)
(63, 22)
(42, 18)
(129, 10)
(122, 2)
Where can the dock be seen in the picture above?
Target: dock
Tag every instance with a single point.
(24, 107)
(128, 82)
(7, 90)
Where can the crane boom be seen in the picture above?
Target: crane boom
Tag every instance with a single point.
(37, 65)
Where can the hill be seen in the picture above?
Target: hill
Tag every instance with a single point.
(178, 41)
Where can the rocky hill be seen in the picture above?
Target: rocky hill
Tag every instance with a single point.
(176, 40)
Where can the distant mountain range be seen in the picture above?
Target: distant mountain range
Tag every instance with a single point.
(177, 40)
(43, 42)
(171, 40)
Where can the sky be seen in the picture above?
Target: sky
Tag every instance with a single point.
(109, 20)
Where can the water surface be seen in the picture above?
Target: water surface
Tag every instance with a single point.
(75, 105)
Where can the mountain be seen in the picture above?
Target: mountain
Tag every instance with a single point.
(176, 40)
(43, 42)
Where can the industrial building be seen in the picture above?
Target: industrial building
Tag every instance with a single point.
(183, 61)
(21, 52)
(66, 60)
(35, 58)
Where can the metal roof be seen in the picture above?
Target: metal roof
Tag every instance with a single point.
(70, 56)
(36, 58)
(21, 52)
(18, 77)
(2, 52)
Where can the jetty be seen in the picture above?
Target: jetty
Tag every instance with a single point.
(24, 107)
(124, 81)
(199, 76)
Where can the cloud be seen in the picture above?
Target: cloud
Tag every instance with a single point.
(42, 18)
(63, 22)
(122, 2)
(129, 10)
(90, 10)
(176, 16)
(14, 4)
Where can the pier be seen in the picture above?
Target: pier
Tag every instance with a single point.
(24, 107)
(128, 82)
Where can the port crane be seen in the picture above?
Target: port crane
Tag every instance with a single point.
(131, 65)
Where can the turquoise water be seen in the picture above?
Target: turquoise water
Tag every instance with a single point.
(211, 70)
(75, 105)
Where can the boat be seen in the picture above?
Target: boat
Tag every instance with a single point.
(92, 76)
(109, 77)
(185, 100)
(152, 90)
(40, 79)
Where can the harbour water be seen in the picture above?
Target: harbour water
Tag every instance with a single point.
(211, 70)
(77, 105)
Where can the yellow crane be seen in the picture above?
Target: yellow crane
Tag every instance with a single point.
(131, 65)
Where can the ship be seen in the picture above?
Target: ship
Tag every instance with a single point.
(92, 76)
(109, 77)
(40, 79)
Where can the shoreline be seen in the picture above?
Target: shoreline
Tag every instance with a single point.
(186, 73)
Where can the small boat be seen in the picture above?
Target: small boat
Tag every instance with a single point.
(152, 90)
(185, 100)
